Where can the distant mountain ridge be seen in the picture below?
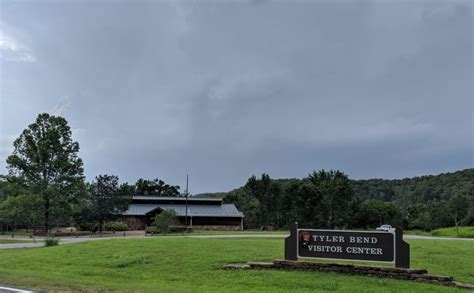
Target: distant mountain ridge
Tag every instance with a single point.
(407, 191)
(420, 189)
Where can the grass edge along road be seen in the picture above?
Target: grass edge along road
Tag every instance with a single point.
(194, 265)
(13, 240)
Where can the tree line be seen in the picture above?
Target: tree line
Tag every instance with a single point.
(329, 199)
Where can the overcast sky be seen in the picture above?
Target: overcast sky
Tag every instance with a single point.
(226, 90)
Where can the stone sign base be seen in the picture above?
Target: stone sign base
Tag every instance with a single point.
(419, 275)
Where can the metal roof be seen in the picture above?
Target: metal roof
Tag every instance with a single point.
(143, 197)
(224, 210)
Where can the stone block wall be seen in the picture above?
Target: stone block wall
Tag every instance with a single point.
(418, 275)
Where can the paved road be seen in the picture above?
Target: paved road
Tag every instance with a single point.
(63, 240)
(6, 289)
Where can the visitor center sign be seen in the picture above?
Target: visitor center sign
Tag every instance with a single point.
(370, 246)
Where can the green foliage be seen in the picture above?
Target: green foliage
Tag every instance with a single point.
(164, 220)
(20, 210)
(337, 197)
(328, 199)
(461, 209)
(51, 241)
(152, 230)
(45, 160)
(116, 226)
(246, 203)
(301, 202)
(192, 265)
(373, 213)
(424, 189)
(126, 189)
(104, 202)
(419, 216)
(323, 200)
(266, 193)
(155, 187)
(11, 186)
(210, 195)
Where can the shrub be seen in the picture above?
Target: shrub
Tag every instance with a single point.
(152, 230)
(164, 220)
(179, 229)
(51, 241)
(116, 226)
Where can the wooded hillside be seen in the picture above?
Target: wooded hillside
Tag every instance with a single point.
(330, 199)
(421, 189)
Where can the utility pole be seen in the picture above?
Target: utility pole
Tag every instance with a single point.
(186, 194)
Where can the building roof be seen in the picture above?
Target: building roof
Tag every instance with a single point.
(224, 210)
(176, 198)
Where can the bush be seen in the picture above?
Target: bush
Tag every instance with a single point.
(51, 241)
(164, 220)
(116, 226)
(179, 229)
(152, 230)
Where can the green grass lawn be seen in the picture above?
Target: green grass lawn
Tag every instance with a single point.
(8, 241)
(19, 232)
(177, 264)
(463, 232)
(416, 232)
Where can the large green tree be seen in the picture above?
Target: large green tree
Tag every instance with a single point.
(261, 190)
(301, 203)
(105, 199)
(337, 196)
(46, 159)
(373, 213)
(460, 209)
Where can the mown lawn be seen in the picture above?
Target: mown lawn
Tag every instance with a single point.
(180, 264)
(461, 232)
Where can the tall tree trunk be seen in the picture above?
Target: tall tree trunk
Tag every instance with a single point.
(456, 223)
(14, 229)
(100, 227)
(46, 213)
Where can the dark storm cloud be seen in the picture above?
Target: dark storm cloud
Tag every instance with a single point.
(223, 91)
